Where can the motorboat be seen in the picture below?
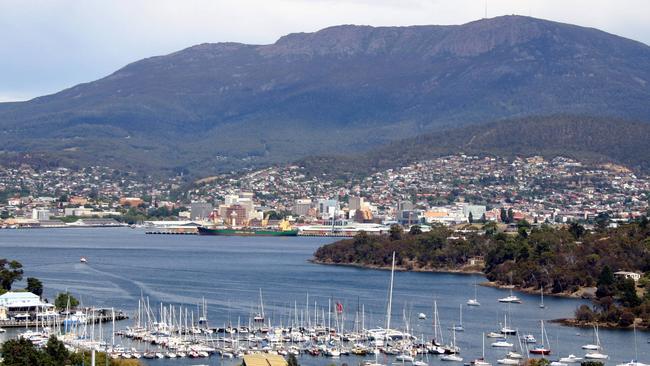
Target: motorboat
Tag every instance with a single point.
(571, 359)
(451, 357)
(529, 338)
(502, 343)
(512, 299)
(595, 355)
(508, 361)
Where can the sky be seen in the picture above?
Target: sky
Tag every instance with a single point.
(50, 45)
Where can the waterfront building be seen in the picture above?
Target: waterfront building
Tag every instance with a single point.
(200, 210)
(301, 206)
(40, 215)
(356, 203)
(18, 304)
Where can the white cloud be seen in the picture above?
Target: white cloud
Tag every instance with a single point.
(49, 45)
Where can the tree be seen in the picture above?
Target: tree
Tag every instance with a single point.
(628, 296)
(490, 228)
(591, 363)
(576, 230)
(470, 218)
(395, 232)
(35, 286)
(511, 215)
(56, 351)
(292, 361)
(503, 215)
(602, 221)
(584, 313)
(415, 230)
(626, 319)
(20, 352)
(61, 301)
(643, 223)
(10, 271)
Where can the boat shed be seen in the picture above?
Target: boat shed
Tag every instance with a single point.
(259, 359)
(16, 302)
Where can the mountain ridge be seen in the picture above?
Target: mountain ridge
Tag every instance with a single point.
(214, 107)
(588, 139)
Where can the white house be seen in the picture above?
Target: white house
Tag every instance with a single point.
(22, 302)
(626, 275)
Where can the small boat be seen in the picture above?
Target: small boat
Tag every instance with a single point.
(595, 355)
(452, 357)
(515, 355)
(83, 260)
(510, 299)
(529, 338)
(3, 330)
(632, 363)
(422, 316)
(404, 358)
(542, 349)
(508, 361)
(557, 363)
(474, 301)
(494, 335)
(571, 359)
(502, 343)
(481, 361)
(420, 363)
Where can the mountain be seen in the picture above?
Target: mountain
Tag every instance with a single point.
(343, 89)
(593, 140)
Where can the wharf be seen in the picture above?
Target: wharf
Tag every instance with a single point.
(104, 318)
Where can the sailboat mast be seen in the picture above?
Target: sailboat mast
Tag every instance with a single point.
(390, 295)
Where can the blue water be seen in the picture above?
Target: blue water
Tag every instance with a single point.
(229, 271)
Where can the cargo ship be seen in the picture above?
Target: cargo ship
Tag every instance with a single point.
(284, 229)
(203, 230)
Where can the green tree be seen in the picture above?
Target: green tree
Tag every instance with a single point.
(61, 301)
(643, 222)
(415, 230)
(10, 271)
(35, 286)
(511, 215)
(503, 215)
(602, 221)
(628, 296)
(20, 352)
(576, 230)
(591, 363)
(292, 361)
(395, 232)
(56, 351)
(470, 218)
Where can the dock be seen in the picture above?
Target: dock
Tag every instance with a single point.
(97, 318)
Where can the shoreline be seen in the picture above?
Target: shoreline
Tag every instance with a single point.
(572, 322)
(467, 271)
(580, 294)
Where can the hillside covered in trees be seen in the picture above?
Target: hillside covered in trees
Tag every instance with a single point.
(562, 261)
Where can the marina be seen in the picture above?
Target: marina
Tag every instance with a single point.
(206, 294)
